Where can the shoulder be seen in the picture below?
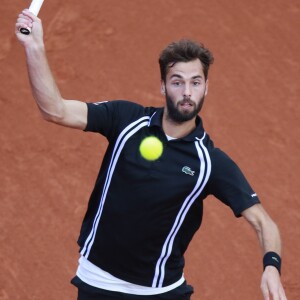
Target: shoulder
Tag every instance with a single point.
(219, 156)
(223, 165)
(121, 107)
(114, 106)
(117, 112)
(111, 117)
(221, 162)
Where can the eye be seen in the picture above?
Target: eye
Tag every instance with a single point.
(196, 83)
(176, 83)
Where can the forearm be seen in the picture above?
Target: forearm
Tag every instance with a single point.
(267, 231)
(44, 88)
(54, 108)
(269, 236)
(270, 241)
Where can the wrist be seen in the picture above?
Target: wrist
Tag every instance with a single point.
(272, 259)
(34, 47)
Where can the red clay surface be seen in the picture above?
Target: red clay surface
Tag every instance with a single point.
(108, 49)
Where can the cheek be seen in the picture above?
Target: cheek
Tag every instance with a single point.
(201, 91)
(175, 98)
(172, 93)
(176, 92)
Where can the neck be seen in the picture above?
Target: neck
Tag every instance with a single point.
(177, 130)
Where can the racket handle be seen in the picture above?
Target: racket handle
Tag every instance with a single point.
(34, 7)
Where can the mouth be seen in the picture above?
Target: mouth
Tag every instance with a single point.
(187, 104)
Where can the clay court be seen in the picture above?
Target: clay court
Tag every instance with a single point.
(108, 49)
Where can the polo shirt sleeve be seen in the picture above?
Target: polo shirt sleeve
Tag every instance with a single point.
(107, 117)
(100, 117)
(228, 184)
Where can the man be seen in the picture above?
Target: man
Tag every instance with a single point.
(142, 215)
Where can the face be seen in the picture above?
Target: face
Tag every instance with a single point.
(185, 89)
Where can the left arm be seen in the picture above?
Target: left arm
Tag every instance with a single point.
(270, 241)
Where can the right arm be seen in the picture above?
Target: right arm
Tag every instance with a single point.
(53, 107)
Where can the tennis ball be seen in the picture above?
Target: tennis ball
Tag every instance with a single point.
(151, 148)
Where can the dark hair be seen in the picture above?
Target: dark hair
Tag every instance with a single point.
(184, 51)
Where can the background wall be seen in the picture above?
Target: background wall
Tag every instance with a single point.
(108, 49)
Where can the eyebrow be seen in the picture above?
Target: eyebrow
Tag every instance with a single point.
(181, 77)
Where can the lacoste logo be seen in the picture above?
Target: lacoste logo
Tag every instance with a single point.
(188, 171)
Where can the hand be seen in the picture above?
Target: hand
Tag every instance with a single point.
(26, 19)
(271, 285)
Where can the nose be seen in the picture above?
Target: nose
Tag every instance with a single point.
(187, 91)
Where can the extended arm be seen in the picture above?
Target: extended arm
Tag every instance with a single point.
(269, 238)
(53, 107)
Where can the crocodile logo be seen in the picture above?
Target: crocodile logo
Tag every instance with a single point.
(188, 171)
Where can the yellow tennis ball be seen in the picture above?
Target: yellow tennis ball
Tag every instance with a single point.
(151, 148)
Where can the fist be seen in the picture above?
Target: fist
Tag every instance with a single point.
(28, 21)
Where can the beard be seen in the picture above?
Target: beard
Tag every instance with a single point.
(180, 116)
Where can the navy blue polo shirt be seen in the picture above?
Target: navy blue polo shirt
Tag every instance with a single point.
(143, 214)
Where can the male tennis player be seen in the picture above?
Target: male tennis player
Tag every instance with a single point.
(142, 215)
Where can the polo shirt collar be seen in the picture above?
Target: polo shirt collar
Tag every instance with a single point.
(198, 132)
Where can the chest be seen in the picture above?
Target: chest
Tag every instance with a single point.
(182, 166)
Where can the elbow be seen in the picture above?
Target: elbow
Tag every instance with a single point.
(52, 118)
(257, 226)
(265, 224)
(53, 115)
(259, 219)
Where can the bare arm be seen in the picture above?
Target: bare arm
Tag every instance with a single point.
(53, 107)
(270, 241)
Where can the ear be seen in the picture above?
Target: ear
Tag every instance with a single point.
(206, 87)
(162, 87)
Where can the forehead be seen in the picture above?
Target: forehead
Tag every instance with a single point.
(186, 69)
